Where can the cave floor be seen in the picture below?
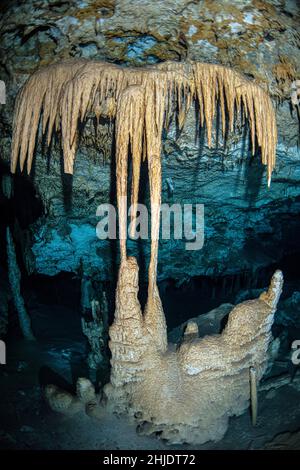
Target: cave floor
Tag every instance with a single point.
(27, 423)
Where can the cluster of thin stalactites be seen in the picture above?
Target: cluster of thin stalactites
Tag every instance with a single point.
(64, 93)
(142, 101)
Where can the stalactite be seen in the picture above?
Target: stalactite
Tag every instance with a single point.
(14, 276)
(2, 352)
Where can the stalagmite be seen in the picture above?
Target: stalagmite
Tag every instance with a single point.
(185, 394)
(253, 394)
(96, 332)
(61, 401)
(14, 276)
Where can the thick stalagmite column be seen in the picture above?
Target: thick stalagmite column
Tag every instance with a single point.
(14, 280)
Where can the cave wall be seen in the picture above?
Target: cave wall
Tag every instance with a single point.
(247, 225)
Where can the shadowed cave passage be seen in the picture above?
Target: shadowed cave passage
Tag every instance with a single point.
(54, 305)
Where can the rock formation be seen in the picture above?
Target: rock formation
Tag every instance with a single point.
(188, 392)
(185, 395)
